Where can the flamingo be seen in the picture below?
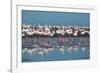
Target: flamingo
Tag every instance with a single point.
(50, 49)
(40, 53)
(75, 33)
(30, 51)
(83, 48)
(30, 32)
(62, 49)
(46, 51)
(75, 48)
(70, 49)
(34, 51)
(69, 31)
(24, 50)
(23, 34)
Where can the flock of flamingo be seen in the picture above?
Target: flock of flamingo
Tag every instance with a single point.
(46, 33)
(47, 30)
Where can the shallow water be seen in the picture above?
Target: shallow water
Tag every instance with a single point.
(82, 51)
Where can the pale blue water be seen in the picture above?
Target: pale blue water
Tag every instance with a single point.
(55, 18)
(56, 55)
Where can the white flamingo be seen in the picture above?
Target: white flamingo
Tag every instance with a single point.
(40, 53)
(50, 49)
(25, 30)
(70, 49)
(52, 33)
(46, 51)
(62, 32)
(34, 51)
(88, 32)
(75, 33)
(24, 50)
(23, 34)
(30, 52)
(30, 32)
(83, 32)
(47, 33)
(59, 31)
(83, 48)
(62, 50)
(69, 31)
(75, 48)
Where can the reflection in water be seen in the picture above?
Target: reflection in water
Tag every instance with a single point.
(52, 49)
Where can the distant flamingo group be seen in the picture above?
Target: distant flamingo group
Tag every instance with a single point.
(44, 36)
(47, 46)
(47, 30)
